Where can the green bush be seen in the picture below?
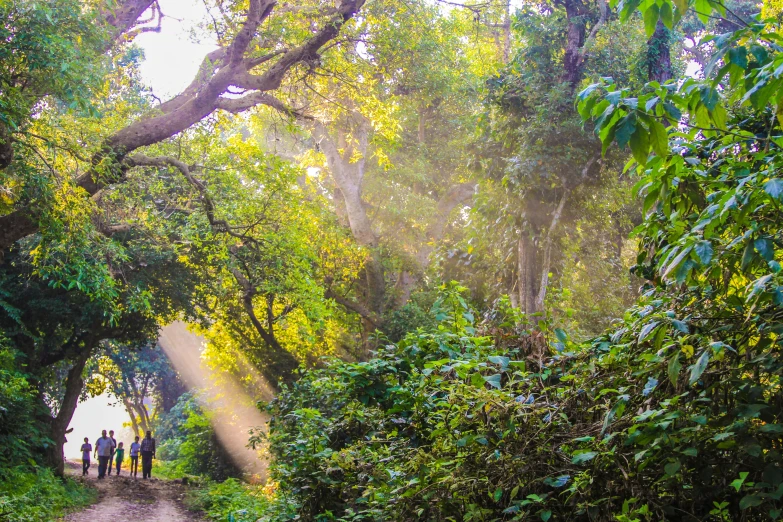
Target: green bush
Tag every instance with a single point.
(189, 445)
(20, 433)
(230, 500)
(446, 426)
(33, 496)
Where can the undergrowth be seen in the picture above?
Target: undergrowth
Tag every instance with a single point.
(39, 496)
(231, 500)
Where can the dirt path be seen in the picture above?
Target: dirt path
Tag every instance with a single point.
(125, 498)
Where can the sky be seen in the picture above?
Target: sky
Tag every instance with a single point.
(172, 57)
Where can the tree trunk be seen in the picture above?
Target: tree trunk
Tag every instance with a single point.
(59, 423)
(575, 39)
(132, 416)
(527, 254)
(282, 363)
(541, 299)
(659, 62)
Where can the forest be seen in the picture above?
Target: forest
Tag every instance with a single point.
(448, 260)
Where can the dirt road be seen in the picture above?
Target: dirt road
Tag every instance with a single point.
(125, 498)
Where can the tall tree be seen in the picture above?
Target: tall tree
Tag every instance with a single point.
(248, 58)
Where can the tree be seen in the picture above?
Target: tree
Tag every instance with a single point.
(393, 127)
(256, 63)
(542, 171)
(132, 375)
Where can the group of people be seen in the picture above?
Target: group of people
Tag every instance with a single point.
(111, 455)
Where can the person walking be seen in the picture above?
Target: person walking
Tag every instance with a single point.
(134, 457)
(113, 448)
(86, 450)
(103, 447)
(147, 454)
(119, 456)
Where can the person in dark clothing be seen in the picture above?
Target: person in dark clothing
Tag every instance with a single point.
(113, 449)
(86, 450)
(103, 450)
(134, 457)
(147, 454)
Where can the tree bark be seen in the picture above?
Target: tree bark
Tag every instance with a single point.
(575, 39)
(527, 254)
(132, 416)
(659, 62)
(547, 254)
(59, 423)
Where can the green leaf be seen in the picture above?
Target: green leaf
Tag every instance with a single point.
(698, 368)
(739, 57)
(749, 501)
(677, 260)
(499, 360)
(640, 145)
(625, 129)
(647, 331)
(658, 138)
(666, 15)
(629, 7)
(680, 326)
(703, 10)
(672, 467)
(546, 515)
(747, 256)
(682, 6)
(703, 250)
(771, 428)
(497, 495)
(587, 456)
(561, 335)
(719, 117)
(493, 380)
(765, 248)
(774, 188)
(651, 16)
(674, 368)
(709, 97)
(737, 483)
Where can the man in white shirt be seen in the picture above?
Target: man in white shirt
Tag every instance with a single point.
(134, 456)
(103, 449)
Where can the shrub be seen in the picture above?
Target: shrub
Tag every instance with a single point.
(33, 496)
(444, 425)
(230, 500)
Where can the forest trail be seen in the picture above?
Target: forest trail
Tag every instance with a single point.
(126, 498)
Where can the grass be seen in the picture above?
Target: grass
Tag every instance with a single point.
(37, 495)
(230, 500)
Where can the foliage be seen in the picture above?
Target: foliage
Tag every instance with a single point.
(132, 375)
(38, 496)
(187, 440)
(549, 209)
(230, 500)
(20, 437)
(447, 424)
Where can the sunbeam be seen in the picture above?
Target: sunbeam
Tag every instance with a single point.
(233, 412)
